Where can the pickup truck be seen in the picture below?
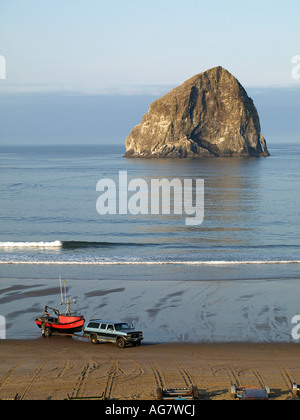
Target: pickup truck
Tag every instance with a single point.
(120, 333)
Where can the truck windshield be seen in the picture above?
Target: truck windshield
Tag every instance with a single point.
(122, 327)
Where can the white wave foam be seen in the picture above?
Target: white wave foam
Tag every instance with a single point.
(195, 263)
(54, 244)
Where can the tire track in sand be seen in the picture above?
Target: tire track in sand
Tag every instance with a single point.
(111, 380)
(230, 371)
(9, 373)
(287, 379)
(158, 376)
(33, 377)
(88, 368)
(137, 372)
(185, 375)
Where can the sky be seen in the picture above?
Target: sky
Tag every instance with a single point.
(136, 48)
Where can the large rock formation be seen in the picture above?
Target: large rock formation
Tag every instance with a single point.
(208, 115)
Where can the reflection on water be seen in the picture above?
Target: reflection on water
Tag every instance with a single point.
(232, 194)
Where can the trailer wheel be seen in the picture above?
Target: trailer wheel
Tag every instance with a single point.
(94, 339)
(121, 343)
(48, 332)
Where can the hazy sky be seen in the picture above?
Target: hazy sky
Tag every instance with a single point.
(132, 46)
(87, 70)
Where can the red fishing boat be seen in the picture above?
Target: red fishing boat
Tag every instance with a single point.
(68, 322)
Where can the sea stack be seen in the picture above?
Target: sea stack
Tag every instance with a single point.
(209, 115)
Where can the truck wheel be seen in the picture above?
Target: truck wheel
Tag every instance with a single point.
(121, 343)
(159, 394)
(94, 339)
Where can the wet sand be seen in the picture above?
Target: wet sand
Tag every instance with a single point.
(166, 311)
(55, 368)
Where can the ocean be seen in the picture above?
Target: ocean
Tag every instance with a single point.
(235, 277)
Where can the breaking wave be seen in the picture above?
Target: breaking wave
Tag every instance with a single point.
(54, 244)
(69, 244)
(72, 245)
(60, 253)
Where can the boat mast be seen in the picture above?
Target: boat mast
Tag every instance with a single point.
(67, 300)
(61, 293)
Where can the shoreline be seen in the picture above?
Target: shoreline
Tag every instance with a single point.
(54, 368)
(146, 342)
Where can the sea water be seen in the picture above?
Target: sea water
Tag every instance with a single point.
(233, 277)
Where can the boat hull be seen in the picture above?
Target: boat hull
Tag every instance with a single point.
(62, 324)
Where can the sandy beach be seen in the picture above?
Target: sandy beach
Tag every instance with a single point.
(55, 368)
